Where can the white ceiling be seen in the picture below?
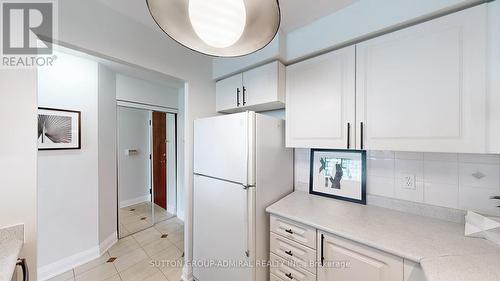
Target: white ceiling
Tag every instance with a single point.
(297, 13)
(294, 13)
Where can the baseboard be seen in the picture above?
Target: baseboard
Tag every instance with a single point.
(137, 200)
(51, 270)
(108, 243)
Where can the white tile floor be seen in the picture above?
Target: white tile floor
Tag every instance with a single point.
(139, 217)
(154, 254)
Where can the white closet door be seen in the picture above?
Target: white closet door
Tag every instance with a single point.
(424, 88)
(321, 101)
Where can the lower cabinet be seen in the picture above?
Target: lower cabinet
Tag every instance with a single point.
(343, 260)
(331, 258)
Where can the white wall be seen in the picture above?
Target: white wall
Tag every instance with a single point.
(147, 92)
(134, 43)
(68, 179)
(133, 170)
(18, 150)
(107, 157)
(223, 67)
(443, 179)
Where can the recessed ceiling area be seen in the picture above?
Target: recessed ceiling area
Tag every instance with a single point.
(294, 13)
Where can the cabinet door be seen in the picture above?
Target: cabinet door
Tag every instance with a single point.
(321, 101)
(423, 88)
(344, 260)
(493, 77)
(228, 92)
(264, 86)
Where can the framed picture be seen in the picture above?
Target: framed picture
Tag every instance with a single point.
(58, 129)
(339, 174)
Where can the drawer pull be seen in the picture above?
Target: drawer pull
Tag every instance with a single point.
(289, 275)
(289, 253)
(289, 231)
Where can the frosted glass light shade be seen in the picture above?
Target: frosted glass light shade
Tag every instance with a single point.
(223, 28)
(220, 23)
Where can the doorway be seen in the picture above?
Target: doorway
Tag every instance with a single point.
(146, 167)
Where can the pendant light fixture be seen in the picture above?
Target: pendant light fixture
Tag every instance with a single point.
(222, 28)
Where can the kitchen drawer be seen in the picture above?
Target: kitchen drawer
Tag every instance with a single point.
(286, 271)
(297, 232)
(293, 251)
(274, 278)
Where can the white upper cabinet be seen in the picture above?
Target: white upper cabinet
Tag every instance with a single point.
(494, 77)
(423, 88)
(264, 87)
(321, 101)
(259, 89)
(228, 92)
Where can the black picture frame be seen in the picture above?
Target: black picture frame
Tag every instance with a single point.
(78, 123)
(361, 153)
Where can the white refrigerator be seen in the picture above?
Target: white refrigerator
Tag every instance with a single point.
(241, 166)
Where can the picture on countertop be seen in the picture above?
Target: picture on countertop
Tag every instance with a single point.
(339, 174)
(58, 129)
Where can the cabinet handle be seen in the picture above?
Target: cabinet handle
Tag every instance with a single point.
(244, 95)
(348, 135)
(322, 249)
(289, 275)
(238, 96)
(289, 253)
(362, 128)
(289, 231)
(24, 266)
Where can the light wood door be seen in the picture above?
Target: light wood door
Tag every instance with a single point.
(229, 93)
(423, 88)
(264, 85)
(344, 260)
(159, 158)
(321, 101)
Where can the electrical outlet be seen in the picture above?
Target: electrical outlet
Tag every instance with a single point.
(409, 181)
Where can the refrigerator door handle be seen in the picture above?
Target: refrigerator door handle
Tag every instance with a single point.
(250, 219)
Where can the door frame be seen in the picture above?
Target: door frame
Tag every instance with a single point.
(150, 108)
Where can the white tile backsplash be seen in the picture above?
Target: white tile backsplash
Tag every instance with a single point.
(445, 195)
(380, 186)
(409, 155)
(442, 179)
(479, 175)
(447, 157)
(409, 167)
(413, 195)
(380, 167)
(441, 172)
(480, 158)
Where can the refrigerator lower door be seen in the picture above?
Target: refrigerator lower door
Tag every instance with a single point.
(221, 230)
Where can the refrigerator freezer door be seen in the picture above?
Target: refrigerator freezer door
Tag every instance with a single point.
(221, 147)
(220, 230)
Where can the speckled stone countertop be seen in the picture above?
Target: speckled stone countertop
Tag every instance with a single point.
(440, 246)
(11, 243)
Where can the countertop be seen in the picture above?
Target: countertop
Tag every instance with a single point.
(439, 246)
(11, 243)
